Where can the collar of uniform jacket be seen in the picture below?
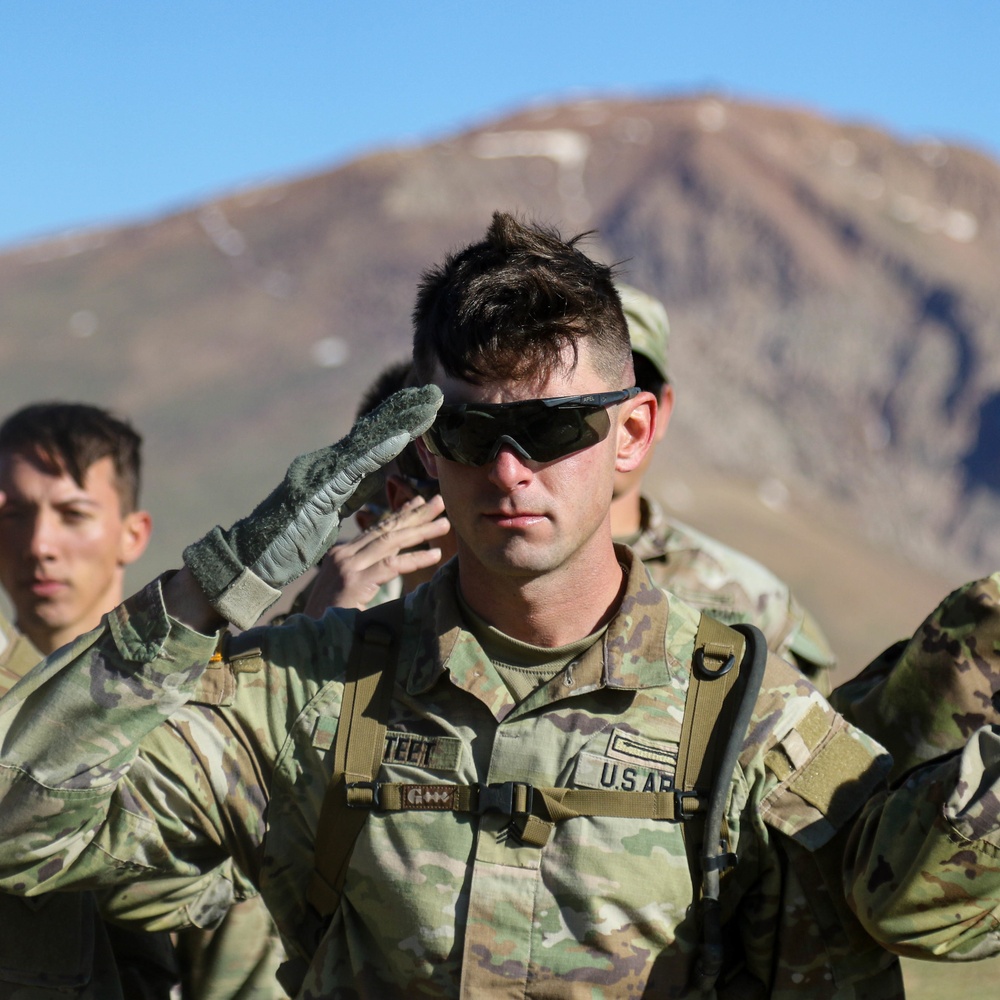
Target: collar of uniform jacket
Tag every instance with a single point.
(632, 655)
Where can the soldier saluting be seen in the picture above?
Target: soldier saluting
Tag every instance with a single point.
(495, 862)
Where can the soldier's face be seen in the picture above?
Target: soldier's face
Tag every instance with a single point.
(63, 547)
(517, 517)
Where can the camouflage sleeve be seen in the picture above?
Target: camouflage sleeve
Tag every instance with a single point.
(810, 773)
(71, 812)
(238, 959)
(171, 904)
(923, 865)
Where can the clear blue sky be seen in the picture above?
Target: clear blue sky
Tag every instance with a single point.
(120, 111)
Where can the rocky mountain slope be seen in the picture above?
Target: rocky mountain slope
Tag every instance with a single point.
(832, 291)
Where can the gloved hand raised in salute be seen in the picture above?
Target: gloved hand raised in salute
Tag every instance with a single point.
(242, 570)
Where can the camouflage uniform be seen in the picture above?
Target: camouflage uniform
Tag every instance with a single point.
(438, 904)
(727, 584)
(56, 945)
(943, 900)
(934, 701)
(732, 587)
(61, 945)
(927, 695)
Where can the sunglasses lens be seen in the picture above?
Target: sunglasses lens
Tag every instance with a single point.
(462, 437)
(541, 433)
(561, 431)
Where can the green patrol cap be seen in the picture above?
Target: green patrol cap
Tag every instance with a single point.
(648, 326)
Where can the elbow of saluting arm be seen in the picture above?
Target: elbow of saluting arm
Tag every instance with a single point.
(922, 867)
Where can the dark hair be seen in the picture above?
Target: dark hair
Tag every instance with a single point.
(507, 306)
(647, 376)
(72, 437)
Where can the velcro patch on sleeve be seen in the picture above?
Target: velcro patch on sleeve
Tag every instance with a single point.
(816, 796)
(842, 760)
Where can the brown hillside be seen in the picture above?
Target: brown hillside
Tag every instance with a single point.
(831, 289)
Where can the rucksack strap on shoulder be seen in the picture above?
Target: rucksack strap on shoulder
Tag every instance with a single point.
(370, 675)
(717, 706)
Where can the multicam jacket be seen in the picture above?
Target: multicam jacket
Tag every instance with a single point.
(174, 766)
(934, 701)
(57, 946)
(60, 945)
(732, 587)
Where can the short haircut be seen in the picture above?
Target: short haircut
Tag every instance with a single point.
(71, 437)
(507, 307)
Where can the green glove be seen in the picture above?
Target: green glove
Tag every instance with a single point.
(242, 570)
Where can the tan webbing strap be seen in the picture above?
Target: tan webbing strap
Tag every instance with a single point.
(718, 654)
(559, 803)
(536, 810)
(716, 667)
(358, 748)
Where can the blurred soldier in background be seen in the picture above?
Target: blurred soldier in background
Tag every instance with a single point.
(404, 533)
(712, 576)
(69, 525)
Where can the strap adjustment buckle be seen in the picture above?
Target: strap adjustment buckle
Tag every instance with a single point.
(512, 798)
(682, 810)
(356, 802)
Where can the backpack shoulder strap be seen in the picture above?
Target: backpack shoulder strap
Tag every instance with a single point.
(353, 791)
(358, 747)
(715, 669)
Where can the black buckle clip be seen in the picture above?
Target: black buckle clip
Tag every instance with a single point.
(500, 798)
(372, 786)
(681, 811)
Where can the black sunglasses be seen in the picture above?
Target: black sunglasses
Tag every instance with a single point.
(541, 430)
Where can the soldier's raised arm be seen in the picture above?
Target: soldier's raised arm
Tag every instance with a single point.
(924, 864)
(235, 575)
(117, 685)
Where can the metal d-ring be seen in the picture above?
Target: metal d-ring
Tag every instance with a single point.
(699, 662)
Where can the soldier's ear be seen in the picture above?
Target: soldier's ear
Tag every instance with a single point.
(398, 491)
(136, 530)
(636, 431)
(429, 459)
